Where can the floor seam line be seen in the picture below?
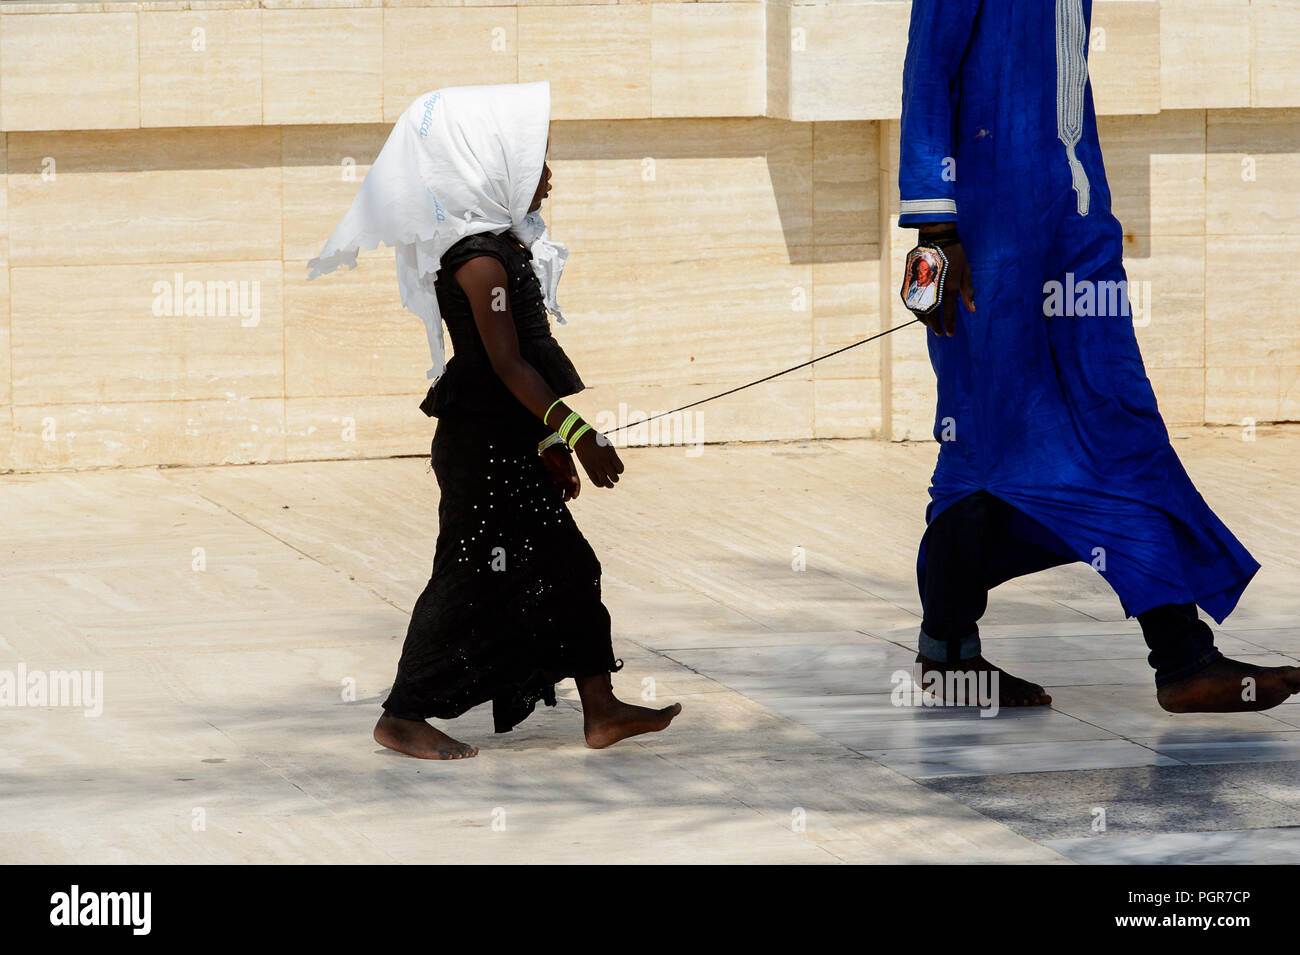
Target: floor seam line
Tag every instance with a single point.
(298, 550)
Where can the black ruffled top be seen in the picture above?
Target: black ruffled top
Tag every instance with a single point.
(469, 385)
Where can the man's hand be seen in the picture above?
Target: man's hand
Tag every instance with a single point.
(956, 281)
(559, 465)
(599, 459)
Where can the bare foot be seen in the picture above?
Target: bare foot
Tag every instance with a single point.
(1012, 691)
(417, 738)
(1230, 686)
(621, 720)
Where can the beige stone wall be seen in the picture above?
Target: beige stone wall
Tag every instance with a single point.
(724, 173)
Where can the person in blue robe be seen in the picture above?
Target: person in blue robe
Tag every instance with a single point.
(1052, 448)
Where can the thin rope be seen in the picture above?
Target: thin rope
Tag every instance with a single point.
(778, 374)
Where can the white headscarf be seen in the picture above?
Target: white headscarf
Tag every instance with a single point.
(460, 161)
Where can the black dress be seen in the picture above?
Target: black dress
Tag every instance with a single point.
(513, 605)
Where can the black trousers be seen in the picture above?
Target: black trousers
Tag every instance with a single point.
(955, 592)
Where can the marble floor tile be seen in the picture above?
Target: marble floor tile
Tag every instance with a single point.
(1284, 641)
(706, 640)
(1237, 847)
(1277, 781)
(247, 689)
(1288, 712)
(1109, 646)
(1129, 672)
(875, 721)
(1132, 711)
(933, 761)
(973, 731)
(1045, 629)
(1116, 803)
(1260, 748)
(852, 668)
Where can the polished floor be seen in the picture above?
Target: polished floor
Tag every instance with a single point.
(246, 622)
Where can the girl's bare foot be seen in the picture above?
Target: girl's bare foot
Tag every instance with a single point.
(1011, 690)
(1230, 686)
(417, 738)
(621, 720)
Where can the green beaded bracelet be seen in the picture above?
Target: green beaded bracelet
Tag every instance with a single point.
(573, 439)
(564, 429)
(550, 409)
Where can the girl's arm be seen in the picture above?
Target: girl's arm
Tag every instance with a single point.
(484, 281)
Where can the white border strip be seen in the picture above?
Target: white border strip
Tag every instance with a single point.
(909, 207)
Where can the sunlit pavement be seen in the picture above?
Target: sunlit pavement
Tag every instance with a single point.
(246, 622)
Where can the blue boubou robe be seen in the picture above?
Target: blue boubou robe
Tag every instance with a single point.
(1043, 399)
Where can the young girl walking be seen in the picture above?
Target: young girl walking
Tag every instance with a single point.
(513, 605)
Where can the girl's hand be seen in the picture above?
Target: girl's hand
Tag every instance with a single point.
(599, 459)
(559, 465)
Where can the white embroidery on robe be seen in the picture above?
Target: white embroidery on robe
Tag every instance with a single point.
(910, 207)
(1071, 82)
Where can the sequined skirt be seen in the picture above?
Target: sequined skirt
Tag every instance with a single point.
(513, 605)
